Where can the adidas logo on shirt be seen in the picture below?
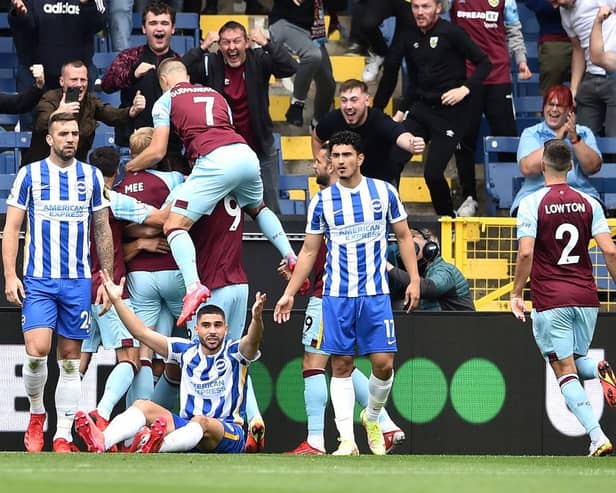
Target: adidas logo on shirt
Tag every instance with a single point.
(61, 8)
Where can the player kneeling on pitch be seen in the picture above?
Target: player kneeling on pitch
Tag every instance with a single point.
(212, 387)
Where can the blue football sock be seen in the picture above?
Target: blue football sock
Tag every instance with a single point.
(315, 397)
(272, 229)
(142, 386)
(587, 368)
(166, 393)
(183, 251)
(118, 382)
(252, 407)
(578, 403)
(360, 384)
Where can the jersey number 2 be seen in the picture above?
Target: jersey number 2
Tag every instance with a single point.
(574, 236)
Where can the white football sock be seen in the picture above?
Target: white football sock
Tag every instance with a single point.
(343, 401)
(68, 393)
(378, 391)
(34, 373)
(124, 426)
(183, 439)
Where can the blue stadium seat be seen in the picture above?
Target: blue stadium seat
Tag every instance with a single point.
(291, 182)
(527, 19)
(6, 181)
(104, 136)
(10, 143)
(528, 111)
(102, 60)
(499, 175)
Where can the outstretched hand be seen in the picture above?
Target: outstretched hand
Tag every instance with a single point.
(282, 311)
(257, 307)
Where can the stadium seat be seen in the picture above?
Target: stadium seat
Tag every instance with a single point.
(104, 136)
(6, 182)
(528, 111)
(298, 204)
(499, 175)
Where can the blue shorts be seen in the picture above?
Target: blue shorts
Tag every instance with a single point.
(232, 441)
(108, 331)
(365, 323)
(312, 333)
(232, 169)
(59, 304)
(149, 291)
(562, 332)
(233, 300)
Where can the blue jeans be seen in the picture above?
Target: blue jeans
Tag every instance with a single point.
(120, 23)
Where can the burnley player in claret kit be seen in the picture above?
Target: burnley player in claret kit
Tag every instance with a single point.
(555, 226)
(223, 164)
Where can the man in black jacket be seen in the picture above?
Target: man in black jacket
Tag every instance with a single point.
(436, 105)
(242, 75)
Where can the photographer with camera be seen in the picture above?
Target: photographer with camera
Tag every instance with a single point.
(443, 287)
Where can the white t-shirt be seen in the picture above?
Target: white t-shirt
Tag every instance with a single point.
(577, 22)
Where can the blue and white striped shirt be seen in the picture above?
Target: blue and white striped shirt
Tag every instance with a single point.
(59, 203)
(354, 222)
(213, 386)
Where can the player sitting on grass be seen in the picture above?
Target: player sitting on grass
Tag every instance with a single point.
(212, 386)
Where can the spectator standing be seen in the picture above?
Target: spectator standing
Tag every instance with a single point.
(554, 45)
(559, 122)
(88, 110)
(242, 75)
(496, 29)
(300, 26)
(436, 105)
(387, 145)
(602, 52)
(594, 93)
(134, 69)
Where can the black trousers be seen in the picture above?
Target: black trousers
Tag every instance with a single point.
(368, 14)
(495, 101)
(443, 127)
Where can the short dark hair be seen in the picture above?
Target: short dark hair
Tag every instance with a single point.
(350, 84)
(60, 117)
(557, 155)
(158, 8)
(107, 159)
(346, 137)
(211, 309)
(232, 25)
(72, 63)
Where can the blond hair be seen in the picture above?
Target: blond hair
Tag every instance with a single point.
(139, 140)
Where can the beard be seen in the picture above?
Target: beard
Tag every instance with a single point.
(323, 180)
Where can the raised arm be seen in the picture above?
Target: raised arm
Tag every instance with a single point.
(155, 341)
(249, 344)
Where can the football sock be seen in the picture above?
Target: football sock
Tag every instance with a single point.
(587, 368)
(68, 393)
(578, 403)
(315, 397)
(143, 384)
(183, 439)
(124, 426)
(360, 384)
(118, 382)
(183, 251)
(166, 392)
(34, 373)
(378, 392)
(252, 406)
(272, 229)
(343, 402)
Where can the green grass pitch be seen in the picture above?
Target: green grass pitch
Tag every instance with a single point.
(171, 473)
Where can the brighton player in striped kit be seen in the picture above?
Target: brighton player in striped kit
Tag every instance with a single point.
(61, 197)
(224, 165)
(354, 215)
(212, 386)
(555, 225)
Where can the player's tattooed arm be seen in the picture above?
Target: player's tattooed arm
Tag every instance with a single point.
(103, 239)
